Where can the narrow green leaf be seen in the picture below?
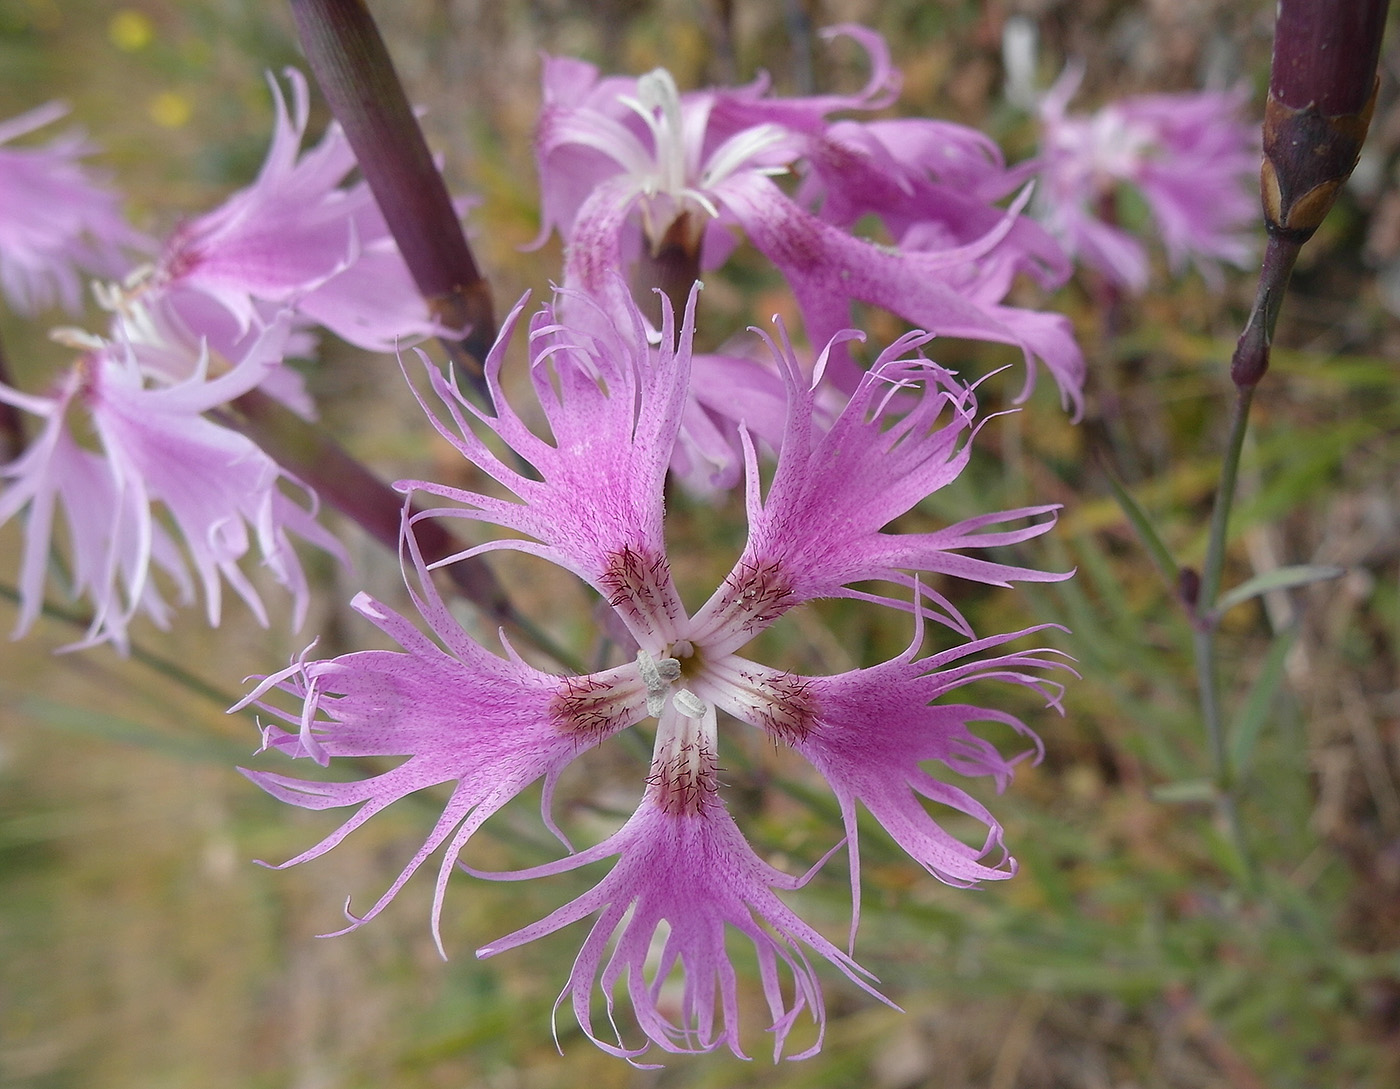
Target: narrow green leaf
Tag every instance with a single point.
(1105, 586)
(97, 724)
(1185, 790)
(1156, 547)
(1244, 731)
(1282, 578)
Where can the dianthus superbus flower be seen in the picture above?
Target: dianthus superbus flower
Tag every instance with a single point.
(1191, 158)
(460, 714)
(155, 452)
(58, 223)
(684, 865)
(593, 503)
(631, 165)
(296, 238)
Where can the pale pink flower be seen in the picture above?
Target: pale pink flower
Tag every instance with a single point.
(113, 545)
(820, 528)
(58, 222)
(1191, 158)
(593, 504)
(158, 454)
(627, 164)
(175, 331)
(872, 730)
(297, 237)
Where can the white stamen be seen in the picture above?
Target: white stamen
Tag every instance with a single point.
(657, 676)
(689, 704)
(78, 339)
(139, 275)
(651, 675)
(665, 188)
(735, 153)
(657, 91)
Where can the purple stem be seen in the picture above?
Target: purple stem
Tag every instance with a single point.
(355, 73)
(11, 426)
(347, 485)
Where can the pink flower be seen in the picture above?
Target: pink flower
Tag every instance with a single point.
(294, 238)
(1190, 157)
(221, 493)
(594, 505)
(613, 406)
(684, 875)
(492, 726)
(872, 730)
(737, 387)
(820, 527)
(57, 222)
(113, 543)
(627, 164)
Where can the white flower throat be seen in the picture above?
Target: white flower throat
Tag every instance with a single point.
(677, 183)
(658, 675)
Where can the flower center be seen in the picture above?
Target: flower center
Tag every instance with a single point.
(597, 705)
(666, 194)
(659, 103)
(657, 677)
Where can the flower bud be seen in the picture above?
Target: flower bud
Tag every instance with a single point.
(1322, 90)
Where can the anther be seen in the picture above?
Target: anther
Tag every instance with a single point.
(657, 676)
(689, 704)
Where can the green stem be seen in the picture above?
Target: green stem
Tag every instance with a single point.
(1205, 620)
(1223, 772)
(1224, 500)
(1247, 369)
